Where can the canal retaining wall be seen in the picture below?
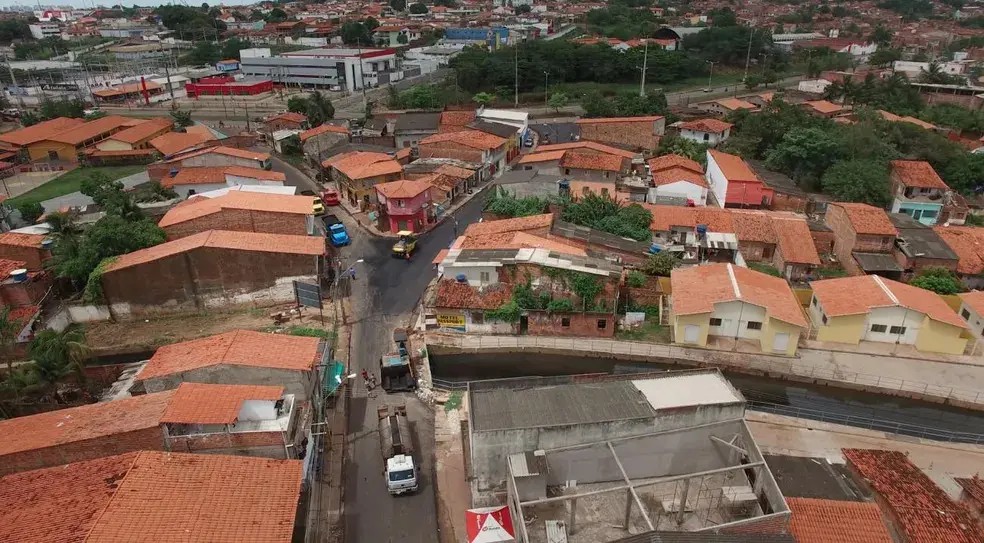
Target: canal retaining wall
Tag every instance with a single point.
(774, 367)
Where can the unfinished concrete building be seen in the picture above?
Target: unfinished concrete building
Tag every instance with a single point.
(592, 459)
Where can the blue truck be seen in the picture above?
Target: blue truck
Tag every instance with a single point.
(336, 231)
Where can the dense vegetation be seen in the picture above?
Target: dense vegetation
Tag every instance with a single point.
(622, 22)
(604, 213)
(190, 22)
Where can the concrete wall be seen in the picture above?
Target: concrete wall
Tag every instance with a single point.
(974, 321)
(735, 317)
(33, 257)
(716, 179)
(40, 151)
(844, 238)
(450, 149)
(682, 322)
(682, 189)
(590, 175)
(939, 337)
(294, 382)
(571, 324)
(774, 326)
(474, 274)
(151, 439)
(241, 220)
(549, 167)
(709, 138)
(259, 444)
(893, 316)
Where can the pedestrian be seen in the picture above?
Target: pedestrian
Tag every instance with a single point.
(351, 272)
(365, 377)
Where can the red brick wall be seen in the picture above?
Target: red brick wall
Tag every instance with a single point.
(26, 293)
(450, 149)
(33, 256)
(844, 238)
(226, 440)
(874, 244)
(633, 134)
(241, 220)
(542, 323)
(823, 241)
(755, 251)
(788, 202)
(149, 439)
(158, 170)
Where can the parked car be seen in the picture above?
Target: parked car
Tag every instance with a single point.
(339, 236)
(330, 198)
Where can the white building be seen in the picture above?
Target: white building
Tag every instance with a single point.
(677, 176)
(972, 311)
(707, 131)
(813, 86)
(44, 30)
(914, 69)
(342, 68)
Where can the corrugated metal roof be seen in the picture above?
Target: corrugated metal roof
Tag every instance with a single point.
(705, 537)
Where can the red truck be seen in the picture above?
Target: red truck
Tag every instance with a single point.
(329, 197)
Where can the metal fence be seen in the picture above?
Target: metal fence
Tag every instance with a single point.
(739, 361)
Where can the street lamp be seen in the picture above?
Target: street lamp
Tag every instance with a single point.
(546, 86)
(709, 74)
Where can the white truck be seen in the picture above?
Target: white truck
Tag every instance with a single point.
(396, 445)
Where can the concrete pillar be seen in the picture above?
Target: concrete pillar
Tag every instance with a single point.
(683, 501)
(570, 524)
(628, 507)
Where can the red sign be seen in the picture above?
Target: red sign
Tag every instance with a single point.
(489, 525)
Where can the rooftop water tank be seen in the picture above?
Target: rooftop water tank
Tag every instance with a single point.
(19, 275)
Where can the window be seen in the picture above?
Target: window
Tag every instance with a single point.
(53, 155)
(897, 330)
(752, 325)
(823, 318)
(965, 314)
(483, 277)
(707, 137)
(767, 252)
(886, 241)
(878, 328)
(602, 324)
(715, 322)
(813, 302)
(567, 171)
(401, 203)
(608, 174)
(565, 322)
(406, 143)
(929, 213)
(478, 317)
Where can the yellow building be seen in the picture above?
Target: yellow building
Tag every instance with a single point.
(136, 137)
(872, 308)
(358, 172)
(65, 145)
(733, 302)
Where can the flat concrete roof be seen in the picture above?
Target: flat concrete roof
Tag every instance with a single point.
(687, 390)
(557, 405)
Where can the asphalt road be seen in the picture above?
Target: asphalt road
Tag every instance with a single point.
(384, 295)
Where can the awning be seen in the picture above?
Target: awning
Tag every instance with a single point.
(334, 377)
(876, 262)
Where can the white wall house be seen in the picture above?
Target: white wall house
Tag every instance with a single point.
(681, 189)
(894, 324)
(716, 180)
(813, 86)
(707, 131)
(730, 319)
(972, 311)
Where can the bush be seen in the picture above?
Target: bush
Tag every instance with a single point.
(938, 280)
(661, 264)
(507, 312)
(560, 305)
(767, 269)
(310, 332)
(31, 211)
(636, 279)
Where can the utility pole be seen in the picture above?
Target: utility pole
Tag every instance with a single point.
(645, 58)
(516, 67)
(709, 74)
(167, 73)
(748, 54)
(546, 86)
(20, 96)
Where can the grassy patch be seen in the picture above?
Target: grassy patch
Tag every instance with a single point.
(454, 401)
(831, 272)
(71, 181)
(651, 331)
(767, 269)
(302, 331)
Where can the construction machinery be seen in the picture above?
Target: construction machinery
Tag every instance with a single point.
(406, 245)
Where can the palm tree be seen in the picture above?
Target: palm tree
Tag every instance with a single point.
(834, 91)
(60, 353)
(319, 108)
(9, 329)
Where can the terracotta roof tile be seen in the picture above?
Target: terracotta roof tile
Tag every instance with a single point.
(287, 116)
(974, 488)
(18, 239)
(125, 89)
(363, 165)
(238, 348)
(40, 131)
(823, 106)
(454, 295)
(732, 166)
(866, 219)
(87, 131)
(922, 511)
(791, 232)
(455, 121)
(974, 300)
(454, 171)
(227, 151)
(59, 504)
(968, 243)
(403, 188)
(675, 174)
(585, 146)
(197, 403)
(665, 217)
(256, 173)
(8, 266)
(510, 225)
(592, 161)
(547, 156)
(175, 142)
(308, 134)
(143, 130)
(857, 295)
(917, 173)
(252, 201)
(667, 162)
(202, 497)
(470, 138)
(831, 521)
(518, 240)
(209, 175)
(754, 226)
(698, 288)
(735, 104)
(713, 126)
(223, 239)
(607, 120)
(77, 424)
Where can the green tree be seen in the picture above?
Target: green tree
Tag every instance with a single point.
(110, 196)
(805, 153)
(661, 264)
(232, 46)
(320, 109)
(934, 74)
(30, 118)
(203, 52)
(881, 36)
(402, 38)
(398, 5)
(291, 146)
(483, 98)
(938, 280)
(558, 100)
(604, 213)
(505, 204)
(276, 15)
(859, 180)
(523, 10)
(9, 328)
(182, 117)
(753, 81)
(885, 56)
(421, 97)
(30, 211)
(355, 33)
(675, 145)
(446, 3)
(66, 349)
(110, 236)
(417, 8)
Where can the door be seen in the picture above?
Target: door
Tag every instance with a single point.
(780, 343)
(52, 155)
(524, 324)
(690, 333)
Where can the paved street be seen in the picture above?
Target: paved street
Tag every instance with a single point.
(384, 294)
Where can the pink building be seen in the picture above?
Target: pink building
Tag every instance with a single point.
(405, 205)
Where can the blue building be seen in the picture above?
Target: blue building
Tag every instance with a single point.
(918, 191)
(493, 37)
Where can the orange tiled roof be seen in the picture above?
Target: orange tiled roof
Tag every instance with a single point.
(237, 348)
(866, 219)
(197, 403)
(918, 122)
(606, 120)
(216, 175)
(287, 116)
(968, 243)
(675, 174)
(584, 144)
(228, 151)
(922, 510)
(87, 131)
(517, 240)
(831, 521)
(973, 299)
(713, 126)
(175, 142)
(253, 201)
(403, 188)
(974, 488)
(674, 161)
(732, 166)
(791, 232)
(363, 165)
(666, 217)
(21, 240)
(7, 266)
(40, 131)
(255, 173)
(454, 295)
(223, 239)
(455, 121)
(454, 171)
(537, 157)
(77, 424)
(823, 106)
(509, 225)
(698, 288)
(475, 139)
(308, 134)
(734, 103)
(143, 130)
(125, 89)
(592, 161)
(754, 226)
(858, 295)
(917, 173)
